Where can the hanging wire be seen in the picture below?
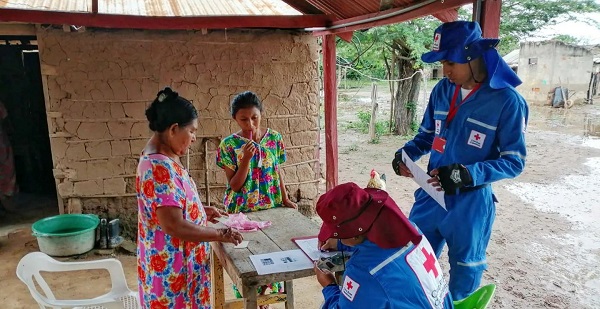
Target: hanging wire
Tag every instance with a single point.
(379, 79)
(361, 85)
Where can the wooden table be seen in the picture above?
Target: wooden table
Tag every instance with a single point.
(287, 223)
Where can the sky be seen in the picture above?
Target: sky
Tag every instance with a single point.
(587, 33)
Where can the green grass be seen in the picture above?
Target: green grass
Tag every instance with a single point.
(362, 125)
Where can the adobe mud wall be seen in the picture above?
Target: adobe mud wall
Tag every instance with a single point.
(99, 84)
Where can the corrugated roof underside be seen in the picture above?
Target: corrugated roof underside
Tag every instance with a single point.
(351, 8)
(160, 7)
(51, 5)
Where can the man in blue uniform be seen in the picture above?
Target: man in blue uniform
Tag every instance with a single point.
(473, 129)
(392, 264)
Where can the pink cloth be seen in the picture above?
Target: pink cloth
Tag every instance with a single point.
(241, 223)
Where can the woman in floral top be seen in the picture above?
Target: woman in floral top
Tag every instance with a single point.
(173, 248)
(251, 159)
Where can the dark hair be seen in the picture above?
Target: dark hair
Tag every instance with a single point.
(169, 108)
(244, 100)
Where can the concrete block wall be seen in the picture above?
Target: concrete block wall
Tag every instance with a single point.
(556, 64)
(99, 83)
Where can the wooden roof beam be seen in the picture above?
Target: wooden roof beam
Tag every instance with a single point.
(162, 22)
(447, 16)
(346, 36)
(396, 15)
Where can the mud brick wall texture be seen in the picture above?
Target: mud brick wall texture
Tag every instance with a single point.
(99, 83)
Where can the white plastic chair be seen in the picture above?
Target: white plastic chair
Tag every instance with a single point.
(119, 297)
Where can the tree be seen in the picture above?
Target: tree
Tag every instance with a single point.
(394, 51)
(567, 39)
(407, 42)
(521, 18)
(363, 53)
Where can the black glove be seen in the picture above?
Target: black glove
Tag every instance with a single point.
(397, 161)
(454, 176)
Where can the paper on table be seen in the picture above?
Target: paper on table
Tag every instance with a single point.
(421, 177)
(242, 245)
(222, 219)
(310, 246)
(279, 262)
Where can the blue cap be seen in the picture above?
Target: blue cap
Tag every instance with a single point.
(461, 42)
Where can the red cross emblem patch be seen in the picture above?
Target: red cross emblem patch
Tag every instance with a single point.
(476, 139)
(349, 288)
(427, 270)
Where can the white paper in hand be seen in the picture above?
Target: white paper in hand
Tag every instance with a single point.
(421, 177)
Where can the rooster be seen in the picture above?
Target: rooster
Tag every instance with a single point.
(376, 181)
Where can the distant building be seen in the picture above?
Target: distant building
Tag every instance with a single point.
(542, 66)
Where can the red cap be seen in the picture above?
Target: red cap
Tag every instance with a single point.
(348, 211)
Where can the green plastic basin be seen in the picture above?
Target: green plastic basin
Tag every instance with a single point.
(66, 235)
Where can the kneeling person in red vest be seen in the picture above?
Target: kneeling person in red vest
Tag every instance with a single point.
(392, 263)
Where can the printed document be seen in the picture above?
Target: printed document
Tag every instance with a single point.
(421, 177)
(279, 262)
(310, 247)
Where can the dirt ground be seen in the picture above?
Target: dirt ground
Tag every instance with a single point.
(545, 248)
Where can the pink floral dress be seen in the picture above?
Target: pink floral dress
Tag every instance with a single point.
(172, 273)
(261, 188)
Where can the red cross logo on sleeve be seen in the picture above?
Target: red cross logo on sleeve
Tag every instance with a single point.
(477, 137)
(436, 42)
(350, 288)
(429, 263)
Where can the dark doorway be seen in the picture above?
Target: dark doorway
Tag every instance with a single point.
(21, 92)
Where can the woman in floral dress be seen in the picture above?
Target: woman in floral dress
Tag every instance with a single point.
(251, 159)
(173, 248)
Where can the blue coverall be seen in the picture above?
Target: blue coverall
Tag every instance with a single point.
(398, 278)
(487, 137)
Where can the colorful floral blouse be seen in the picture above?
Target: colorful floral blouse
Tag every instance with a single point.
(172, 273)
(261, 189)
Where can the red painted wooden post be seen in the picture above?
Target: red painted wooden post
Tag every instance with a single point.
(346, 36)
(490, 18)
(330, 90)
